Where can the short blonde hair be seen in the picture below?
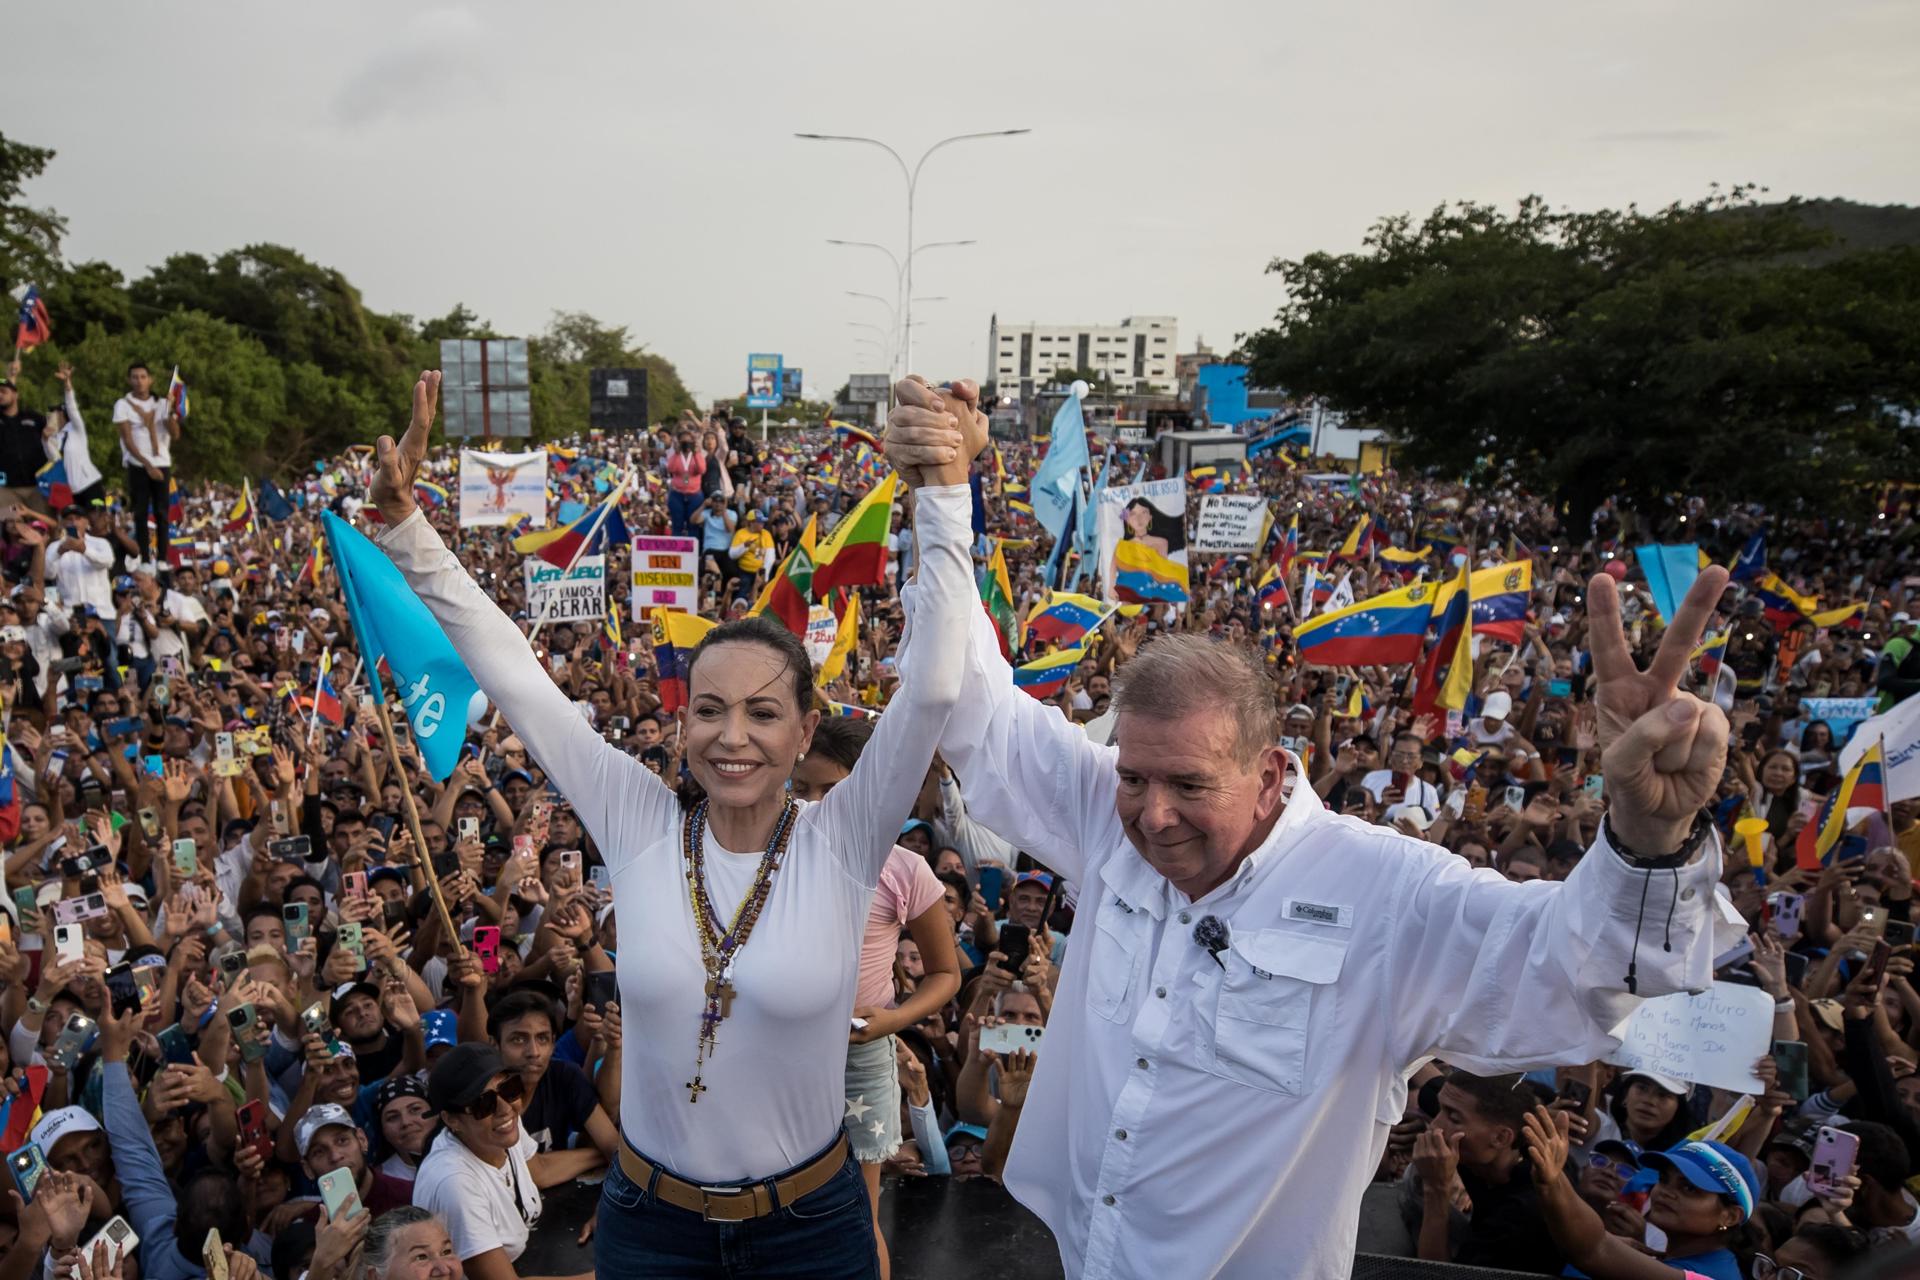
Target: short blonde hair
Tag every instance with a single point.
(1176, 675)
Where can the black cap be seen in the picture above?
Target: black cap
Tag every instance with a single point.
(462, 1075)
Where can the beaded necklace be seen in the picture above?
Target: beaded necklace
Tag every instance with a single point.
(720, 942)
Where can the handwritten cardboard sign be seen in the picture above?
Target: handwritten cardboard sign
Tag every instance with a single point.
(1713, 1038)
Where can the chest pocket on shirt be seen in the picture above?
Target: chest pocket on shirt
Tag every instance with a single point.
(1119, 949)
(1265, 1005)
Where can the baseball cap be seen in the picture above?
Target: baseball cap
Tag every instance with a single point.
(345, 989)
(462, 1075)
(1040, 878)
(439, 1025)
(63, 1123)
(1712, 1166)
(511, 774)
(1828, 1014)
(1499, 705)
(316, 1119)
(378, 874)
(915, 824)
(966, 1131)
(1621, 1147)
(1671, 1085)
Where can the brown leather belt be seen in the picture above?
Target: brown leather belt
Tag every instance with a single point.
(736, 1203)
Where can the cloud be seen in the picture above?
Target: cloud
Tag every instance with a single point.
(1682, 136)
(422, 67)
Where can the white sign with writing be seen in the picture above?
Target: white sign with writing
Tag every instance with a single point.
(559, 596)
(1713, 1038)
(499, 488)
(1229, 522)
(821, 630)
(666, 575)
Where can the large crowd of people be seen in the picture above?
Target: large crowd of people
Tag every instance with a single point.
(244, 1038)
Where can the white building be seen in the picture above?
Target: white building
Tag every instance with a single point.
(1135, 354)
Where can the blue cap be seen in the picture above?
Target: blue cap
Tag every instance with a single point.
(915, 824)
(1712, 1166)
(440, 1026)
(966, 1130)
(1623, 1146)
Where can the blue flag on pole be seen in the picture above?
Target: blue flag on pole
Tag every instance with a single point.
(273, 502)
(1056, 484)
(1751, 563)
(1670, 569)
(433, 684)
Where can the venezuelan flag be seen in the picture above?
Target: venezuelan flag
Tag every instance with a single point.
(1849, 615)
(1864, 787)
(429, 493)
(589, 535)
(1045, 677)
(1402, 555)
(1452, 648)
(1065, 618)
(843, 709)
(1782, 605)
(1023, 508)
(1272, 589)
(1712, 654)
(1142, 575)
(1356, 544)
(675, 636)
(326, 702)
(1500, 597)
(1380, 631)
(52, 480)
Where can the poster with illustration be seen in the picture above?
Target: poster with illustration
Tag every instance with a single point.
(499, 488)
(1143, 542)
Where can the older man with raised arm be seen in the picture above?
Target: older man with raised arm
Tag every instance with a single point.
(1258, 976)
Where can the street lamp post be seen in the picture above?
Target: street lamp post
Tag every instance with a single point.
(912, 177)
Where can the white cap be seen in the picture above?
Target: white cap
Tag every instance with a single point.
(1668, 1083)
(1499, 705)
(64, 1123)
(1414, 813)
(316, 1119)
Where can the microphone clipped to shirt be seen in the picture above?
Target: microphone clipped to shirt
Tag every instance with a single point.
(1212, 934)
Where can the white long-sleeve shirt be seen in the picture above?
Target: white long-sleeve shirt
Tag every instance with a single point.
(70, 445)
(83, 577)
(776, 1082)
(1194, 1118)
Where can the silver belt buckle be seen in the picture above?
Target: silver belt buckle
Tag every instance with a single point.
(707, 1195)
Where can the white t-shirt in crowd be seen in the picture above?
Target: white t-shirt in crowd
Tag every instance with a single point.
(484, 1207)
(157, 448)
(1419, 791)
(183, 608)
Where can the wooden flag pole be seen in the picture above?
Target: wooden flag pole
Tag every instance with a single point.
(413, 826)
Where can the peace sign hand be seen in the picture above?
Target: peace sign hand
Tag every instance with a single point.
(398, 464)
(1663, 751)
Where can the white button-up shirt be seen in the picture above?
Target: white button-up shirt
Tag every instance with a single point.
(1194, 1117)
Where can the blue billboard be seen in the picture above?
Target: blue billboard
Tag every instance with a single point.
(763, 381)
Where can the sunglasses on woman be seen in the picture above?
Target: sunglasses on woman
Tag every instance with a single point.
(509, 1091)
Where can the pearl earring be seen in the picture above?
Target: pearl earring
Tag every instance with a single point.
(801, 758)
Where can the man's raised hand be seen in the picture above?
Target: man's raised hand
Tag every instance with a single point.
(933, 433)
(1663, 750)
(399, 463)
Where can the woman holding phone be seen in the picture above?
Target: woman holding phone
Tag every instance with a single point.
(744, 908)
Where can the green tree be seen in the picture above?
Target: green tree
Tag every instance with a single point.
(1703, 348)
(560, 363)
(1100, 382)
(29, 237)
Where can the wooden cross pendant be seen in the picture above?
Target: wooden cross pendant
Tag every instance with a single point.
(722, 990)
(695, 1089)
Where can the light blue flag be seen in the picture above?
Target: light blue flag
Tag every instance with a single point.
(1088, 539)
(1056, 485)
(434, 686)
(1670, 569)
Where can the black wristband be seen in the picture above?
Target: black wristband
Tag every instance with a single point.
(1702, 827)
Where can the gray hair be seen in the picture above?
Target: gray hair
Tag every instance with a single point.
(376, 1251)
(1176, 675)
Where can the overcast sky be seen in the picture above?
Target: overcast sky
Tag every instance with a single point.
(636, 160)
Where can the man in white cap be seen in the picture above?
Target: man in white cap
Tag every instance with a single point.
(73, 1142)
(328, 1139)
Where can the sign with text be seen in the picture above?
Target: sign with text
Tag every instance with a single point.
(763, 381)
(868, 388)
(822, 627)
(666, 575)
(1713, 1038)
(499, 488)
(1841, 714)
(561, 596)
(1229, 522)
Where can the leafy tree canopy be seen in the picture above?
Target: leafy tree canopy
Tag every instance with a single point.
(1718, 347)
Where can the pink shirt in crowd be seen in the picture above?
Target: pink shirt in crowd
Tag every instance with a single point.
(907, 889)
(684, 470)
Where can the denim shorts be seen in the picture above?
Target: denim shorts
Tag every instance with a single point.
(873, 1101)
(825, 1235)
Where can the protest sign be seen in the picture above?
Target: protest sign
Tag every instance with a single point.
(1713, 1038)
(1899, 730)
(822, 627)
(499, 488)
(560, 596)
(1152, 519)
(1841, 714)
(666, 575)
(1229, 523)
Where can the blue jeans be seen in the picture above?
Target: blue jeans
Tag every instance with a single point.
(826, 1235)
(680, 509)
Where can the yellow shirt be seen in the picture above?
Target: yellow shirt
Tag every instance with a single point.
(758, 549)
